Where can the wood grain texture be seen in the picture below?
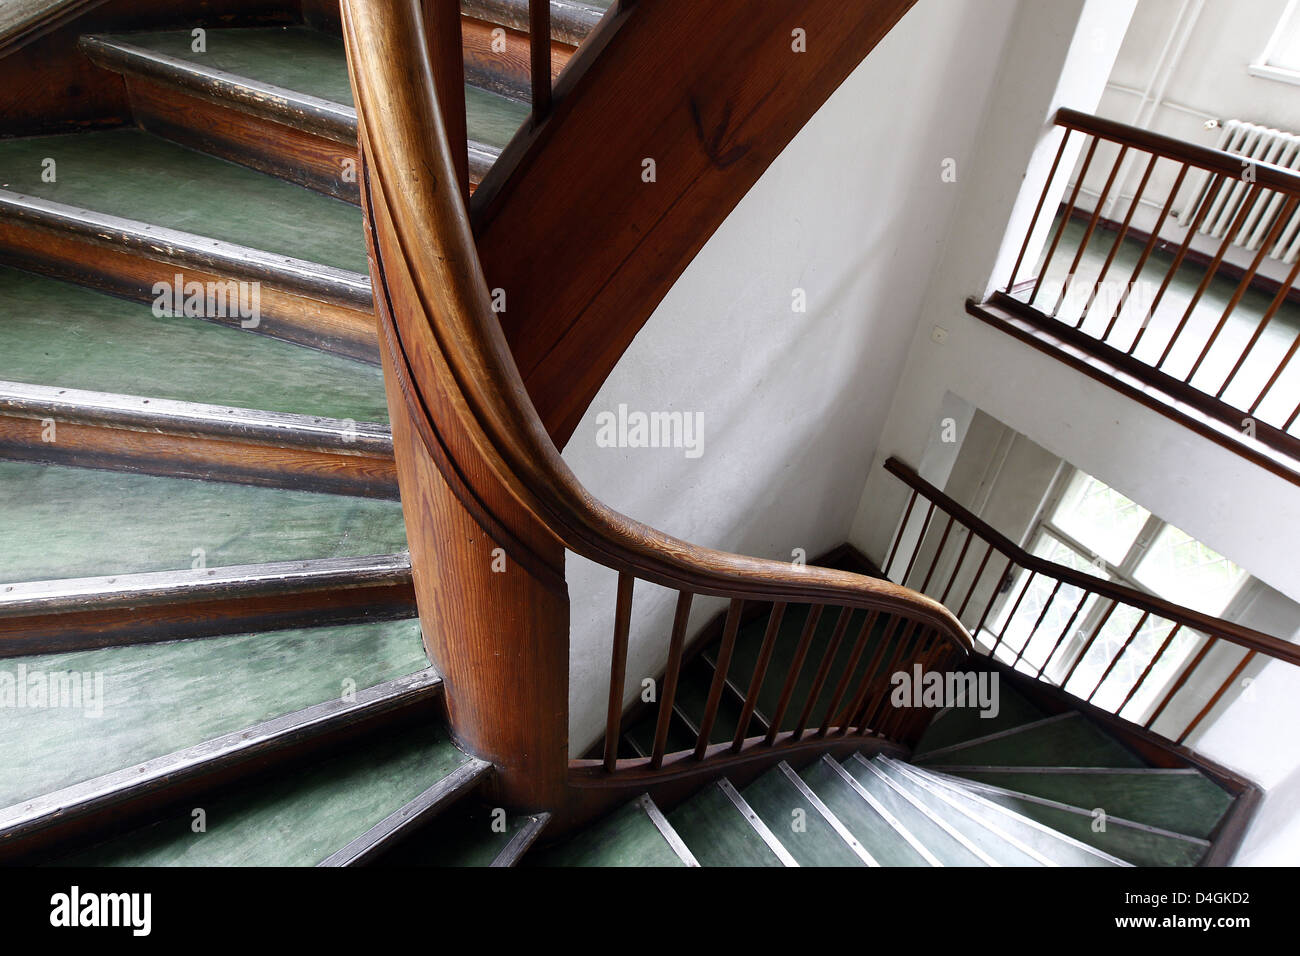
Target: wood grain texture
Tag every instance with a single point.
(480, 476)
(712, 92)
(127, 262)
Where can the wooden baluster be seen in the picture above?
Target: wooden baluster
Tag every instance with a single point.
(719, 676)
(1240, 292)
(1123, 647)
(901, 649)
(618, 668)
(446, 55)
(1281, 296)
(760, 671)
(1083, 597)
(926, 646)
(1211, 191)
(1087, 645)
(1177, 685)
(961, 557)
(1209, 705)
(920, 542)
(938, 553)
(846, 675)
(1038, 209)
(1065, 219)
(796, 665)
(539, 49)
(1212, 269)
(1155, 659)
(1115, 246)
(828, 658)
(868, 677)
(668, 693)
(1091, 227)
(1291, 421)
(979, 573)
(1147, 249)
(898, 538)
(1015, 609)
(992, 599)
(1038, 623)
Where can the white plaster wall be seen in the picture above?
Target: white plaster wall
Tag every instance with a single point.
(854, 212)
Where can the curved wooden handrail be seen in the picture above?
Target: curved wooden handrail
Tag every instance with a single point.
(1194, 154)
(465, 428)
(412, 163)
(1194, 620)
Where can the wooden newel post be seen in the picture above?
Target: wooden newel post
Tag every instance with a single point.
(489, 576)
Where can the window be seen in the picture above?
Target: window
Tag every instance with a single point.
(1091, 527)
(1281, 58)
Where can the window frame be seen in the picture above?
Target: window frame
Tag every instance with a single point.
(1261, 66)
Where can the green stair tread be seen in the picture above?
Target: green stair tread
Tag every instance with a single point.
(1069, 742)
(626, 837)
(693, 698)
(293, 819)
(1187, 803)
(62, 522)
(966, 723)
(314, 63)
(749, 644)
(1051, 844)
(776, 799)
(1132, 844)
(465, 834)
(61, 334)
(872, 830)
(161, 698)
(993, 845)
(946, 848)
(717, 832)
(128, 173)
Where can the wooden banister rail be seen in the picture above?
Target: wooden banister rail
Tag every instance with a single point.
(490, 505)
(1231, 365)
(1066, 647)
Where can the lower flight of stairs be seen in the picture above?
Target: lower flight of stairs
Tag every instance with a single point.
(326, 746)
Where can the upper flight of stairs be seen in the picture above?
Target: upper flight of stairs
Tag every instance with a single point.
(201, 525)
(200, 507)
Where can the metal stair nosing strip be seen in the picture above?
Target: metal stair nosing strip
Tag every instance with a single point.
(412, 815)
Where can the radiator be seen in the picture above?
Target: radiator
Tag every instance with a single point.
(1265, 145)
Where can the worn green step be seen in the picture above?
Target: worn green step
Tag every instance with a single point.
(147, 700)
(1061, 848)
(931, 829)
(61, 334)
(466, 835)
(128, 173)
(805, 826)
(960, 724)
(61, 522)
(294, 819)
(997, 845)
(627, 837)
(885, 838)
(693, 697)
(721, 830)
(1182, 800)
(1066, 740)
(310, 62)
(1138, 844)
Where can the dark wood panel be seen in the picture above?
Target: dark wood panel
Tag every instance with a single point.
(712, 92)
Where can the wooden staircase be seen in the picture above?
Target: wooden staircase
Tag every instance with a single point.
(203, 455)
